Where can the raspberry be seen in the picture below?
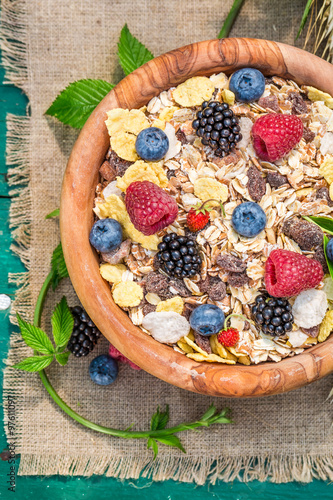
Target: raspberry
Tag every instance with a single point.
(115, 354)
(289, 273)
(275, 135)
(149, 207)
(228, 338)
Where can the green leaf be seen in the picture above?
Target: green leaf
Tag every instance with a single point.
(62, 323)
(34, 363)
(58, 265)
(74, 105)
(304, 17)
(209, 413)
(160, 419)
(325, 223)
(62, 357)
(35, 337)
(172, 440)
(152, 444)
(328, 261)
(132, 53)
(55, 213)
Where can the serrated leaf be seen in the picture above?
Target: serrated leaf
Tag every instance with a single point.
(75, 103)
(55, 213)
(62, 357)
(152, 444)
(160, 419)
(209, 413)
(328, 261)
(172, 440)
(35, 337)
(132, 53)
(34, 363)
(62, 323)
(325, 223)
(58, 266)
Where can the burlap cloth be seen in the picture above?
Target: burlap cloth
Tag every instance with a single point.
(47, 44)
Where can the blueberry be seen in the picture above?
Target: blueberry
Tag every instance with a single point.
(106, 235)
(329, 250)
(207, 319)
(152, 144)
(103, 370)
(248, 219)
(248, 84)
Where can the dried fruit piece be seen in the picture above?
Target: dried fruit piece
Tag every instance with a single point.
(319, 255)
(231, 263)
(289, 273)
(107, 172)
(157, 283)
(299, 106)
(194, 91)
(325, 194)
(256, 184)
(203, 342)
(308, 135)
(270, 103)
(118, 163)
(306, 234)
(237, 280)
(117, 255)
(214, 287)
(326, 327)
(175, 304)
(276, 180)
(127, 294)
(311, 332)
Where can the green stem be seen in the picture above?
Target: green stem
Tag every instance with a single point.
(231, 17)
(99, 428)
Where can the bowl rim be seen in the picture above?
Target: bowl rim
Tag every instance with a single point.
(78, 191)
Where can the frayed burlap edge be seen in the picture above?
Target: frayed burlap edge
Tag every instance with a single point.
(278, 469)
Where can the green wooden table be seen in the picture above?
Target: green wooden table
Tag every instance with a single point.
(59, 487)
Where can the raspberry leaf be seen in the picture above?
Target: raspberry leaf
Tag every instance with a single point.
(132, 53)
(325, 223)
(35, 337)
(75, 103)
(328, 261)
(58, 265)
(62, 323)
(160, 419)
(34, 363)
(172, 440)
(62, 357)
(152, 444)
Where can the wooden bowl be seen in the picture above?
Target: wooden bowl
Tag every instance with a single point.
(76, 219)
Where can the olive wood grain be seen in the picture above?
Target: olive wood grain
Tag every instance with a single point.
(78, 192)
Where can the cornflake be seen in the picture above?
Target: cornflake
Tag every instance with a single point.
(207, 188)
(127, 294)
(142, 171)
(326, 327)
(194, 91)
(175, 304)
(326, 169)
(112, 272)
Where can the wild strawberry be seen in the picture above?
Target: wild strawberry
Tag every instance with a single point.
(198, 216)
(228, 338)
(276, 135)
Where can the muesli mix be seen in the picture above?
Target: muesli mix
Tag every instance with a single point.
(201, 217)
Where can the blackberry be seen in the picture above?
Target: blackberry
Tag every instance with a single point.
(178, 256)
(218, 127)
(272, 315)
(85, 334)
